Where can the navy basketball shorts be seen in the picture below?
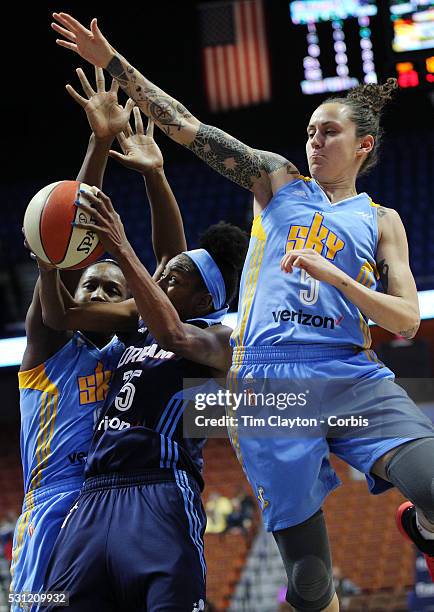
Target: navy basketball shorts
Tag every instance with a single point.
(336, 400)
(132, 542)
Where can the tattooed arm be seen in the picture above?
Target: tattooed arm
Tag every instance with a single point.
(397, 310)
(394, 269)
(259, 171)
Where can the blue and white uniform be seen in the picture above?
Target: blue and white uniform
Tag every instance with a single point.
(295, 330)
(138, 523)
(59, 400)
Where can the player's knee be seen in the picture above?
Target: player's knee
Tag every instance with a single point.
(311, 585)
(411, 470)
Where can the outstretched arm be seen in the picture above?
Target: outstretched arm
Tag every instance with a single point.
(208, 346)
(141, 153)
(259, 171)
(106, 119)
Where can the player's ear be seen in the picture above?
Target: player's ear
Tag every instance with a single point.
(367, 144)
(203, 303)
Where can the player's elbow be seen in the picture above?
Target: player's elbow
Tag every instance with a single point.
(53, 322)
(410, 325)
(173, 339)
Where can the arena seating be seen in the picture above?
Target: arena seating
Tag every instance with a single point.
(11, 479)
(365, 542)
(225, 554)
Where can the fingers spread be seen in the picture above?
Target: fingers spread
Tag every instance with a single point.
(138, 121)
(99, 79)
(74, 94)
(95, 29)
(87, 88)
(150, 127)
(128, 131)
(118, 156)
(67, 45)
(114, 88)
(122, 141)
(130, 104)
(71, 23)
(64, 32)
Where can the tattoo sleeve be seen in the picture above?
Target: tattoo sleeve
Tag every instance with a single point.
(235, 160)
(227, 155)
(383, 271)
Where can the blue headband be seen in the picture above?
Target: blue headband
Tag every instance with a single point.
(211, 275)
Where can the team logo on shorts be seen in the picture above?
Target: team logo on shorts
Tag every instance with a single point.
(199, 606)
(31, 529)
(264, 502)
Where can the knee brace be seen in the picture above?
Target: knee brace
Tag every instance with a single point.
(306, 555)
(411, 470)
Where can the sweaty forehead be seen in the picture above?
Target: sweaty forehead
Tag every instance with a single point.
(331, 111)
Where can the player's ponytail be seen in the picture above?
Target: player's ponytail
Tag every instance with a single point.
(366, 103)
(227, 244)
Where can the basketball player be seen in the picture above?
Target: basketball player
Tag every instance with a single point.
(134, 538)
(309, 317)
(64, 379)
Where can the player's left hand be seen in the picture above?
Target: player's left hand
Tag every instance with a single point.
(316, 265)
(106, 222)
(139, 150)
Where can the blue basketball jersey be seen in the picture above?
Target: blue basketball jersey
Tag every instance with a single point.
(141, 427)
(58, 401)
(276, 308)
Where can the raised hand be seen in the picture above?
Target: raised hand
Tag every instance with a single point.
(91, 45)
(140, 151)
(107, 118)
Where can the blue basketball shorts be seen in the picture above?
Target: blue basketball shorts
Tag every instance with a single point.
(37, 528)
(319, 400)
(132, 542)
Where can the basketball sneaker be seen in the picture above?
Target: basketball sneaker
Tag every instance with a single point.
(406, 523)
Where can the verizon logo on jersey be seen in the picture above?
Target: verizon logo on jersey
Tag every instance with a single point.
(134, 354)
(303, 318)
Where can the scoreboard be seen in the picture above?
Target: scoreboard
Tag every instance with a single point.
(413, 41)
(348, 42)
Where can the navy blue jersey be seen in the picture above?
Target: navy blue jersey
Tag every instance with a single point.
(140, 426)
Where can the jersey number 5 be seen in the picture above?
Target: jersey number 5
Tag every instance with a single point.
(125, 397)
(309, 295)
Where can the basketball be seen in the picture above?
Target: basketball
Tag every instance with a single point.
(48, 229)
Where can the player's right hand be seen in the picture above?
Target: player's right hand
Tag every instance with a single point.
(106, 116)
(91, 45)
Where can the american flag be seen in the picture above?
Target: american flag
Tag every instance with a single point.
(234, 53)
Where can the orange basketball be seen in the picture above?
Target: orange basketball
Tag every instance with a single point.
(48, 229)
